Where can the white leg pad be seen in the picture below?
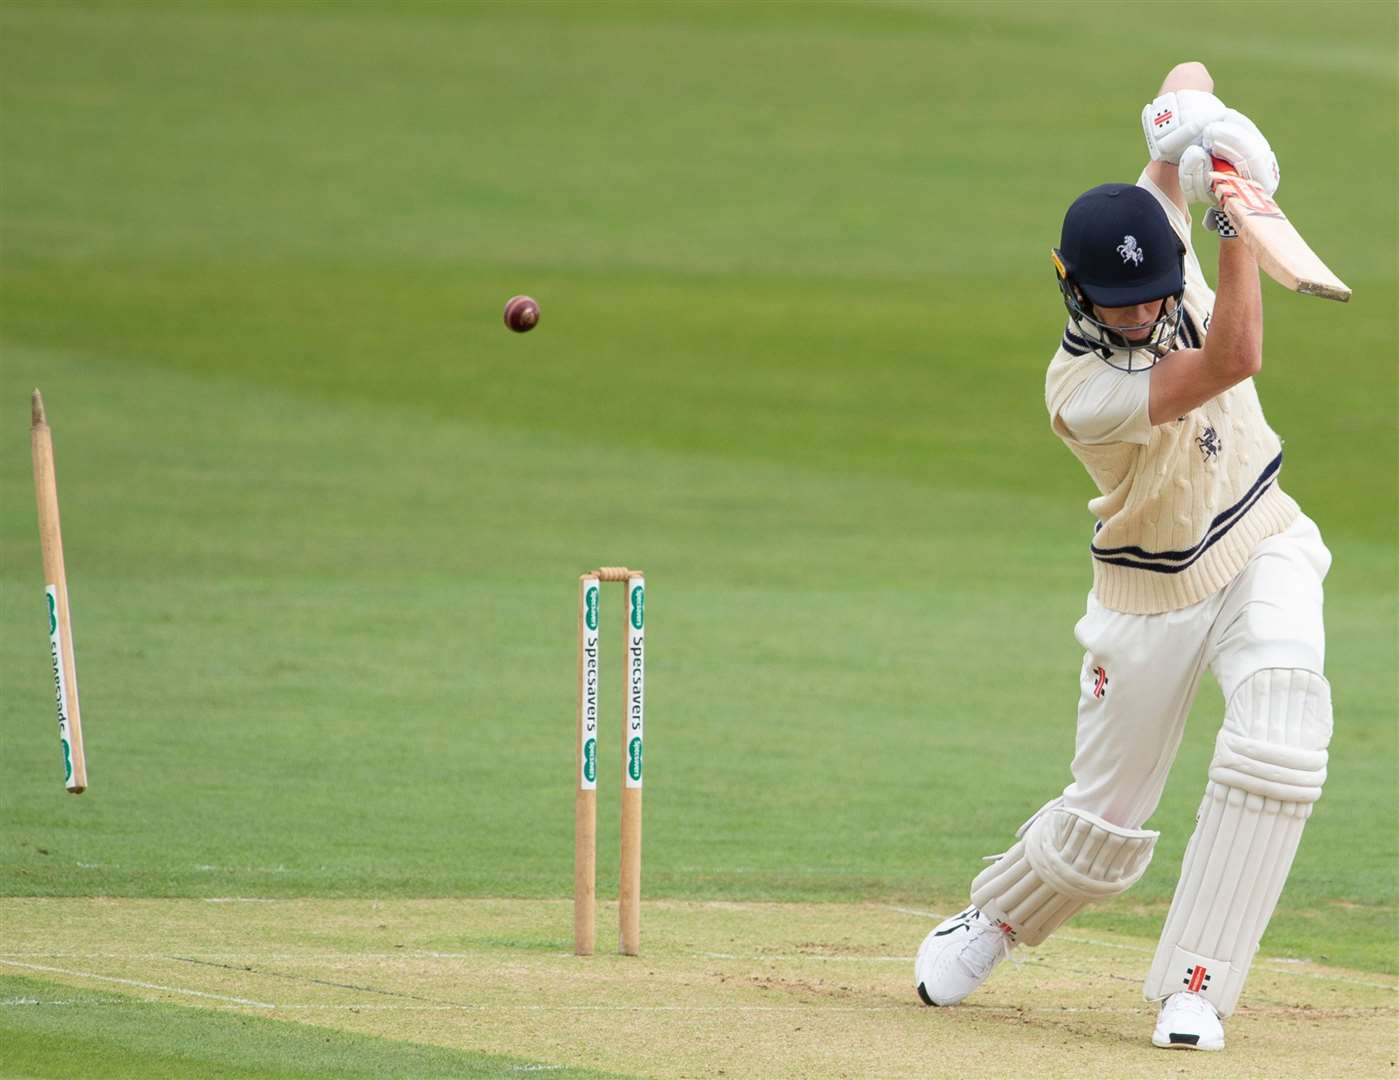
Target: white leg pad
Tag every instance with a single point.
(1268, 769)
(1064, 859)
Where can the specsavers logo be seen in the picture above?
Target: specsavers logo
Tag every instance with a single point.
(590, 607)
(56, 660)
(638, 607)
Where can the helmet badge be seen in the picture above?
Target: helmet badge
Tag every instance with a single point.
(1130, 252)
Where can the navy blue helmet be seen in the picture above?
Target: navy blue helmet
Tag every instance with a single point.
(1117, 249)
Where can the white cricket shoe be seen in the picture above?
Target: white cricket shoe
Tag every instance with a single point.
(1188, 1022)
(957, 956)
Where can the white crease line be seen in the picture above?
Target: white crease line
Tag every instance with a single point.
(412, 954)
(789, 957)
(141, 985)
(447, 1007)
(914, 911)
(1108, 944)
(464, 1007)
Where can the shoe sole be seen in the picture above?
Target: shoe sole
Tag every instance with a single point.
(1183, 1045)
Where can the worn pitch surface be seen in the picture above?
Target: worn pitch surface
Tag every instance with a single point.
(723, 988)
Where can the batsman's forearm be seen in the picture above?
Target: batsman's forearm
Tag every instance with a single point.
(1235, 339)
(1191, 75)
(1162, 170)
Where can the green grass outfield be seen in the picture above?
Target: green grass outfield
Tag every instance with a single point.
(324, 515)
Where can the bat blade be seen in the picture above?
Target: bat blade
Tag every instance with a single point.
(1276, 244)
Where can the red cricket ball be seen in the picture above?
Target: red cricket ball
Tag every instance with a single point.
(521, 313)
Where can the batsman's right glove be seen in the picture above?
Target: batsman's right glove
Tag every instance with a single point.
(1236, 139)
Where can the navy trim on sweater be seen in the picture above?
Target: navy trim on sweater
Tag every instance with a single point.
(1075, 345)
(1188, 332)
(1218, 528)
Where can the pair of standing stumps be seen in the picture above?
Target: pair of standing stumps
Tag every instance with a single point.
(586, 767)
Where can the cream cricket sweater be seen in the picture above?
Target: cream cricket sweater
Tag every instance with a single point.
(1179, 516)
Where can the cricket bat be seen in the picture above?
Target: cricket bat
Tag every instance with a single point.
(1278, 247)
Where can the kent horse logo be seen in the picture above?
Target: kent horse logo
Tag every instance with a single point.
(1130, 252)
(1209, 443)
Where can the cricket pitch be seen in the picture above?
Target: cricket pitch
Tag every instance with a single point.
(721, 989)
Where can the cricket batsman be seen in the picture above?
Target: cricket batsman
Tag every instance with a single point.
(1200, 561)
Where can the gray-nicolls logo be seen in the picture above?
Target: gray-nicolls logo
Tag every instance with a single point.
(1209, 443)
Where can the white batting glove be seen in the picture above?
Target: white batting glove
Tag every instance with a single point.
(1194, 173)
(1176, 120)
(1236, 139)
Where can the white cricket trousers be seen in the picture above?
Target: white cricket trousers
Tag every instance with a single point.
(1141, 672)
